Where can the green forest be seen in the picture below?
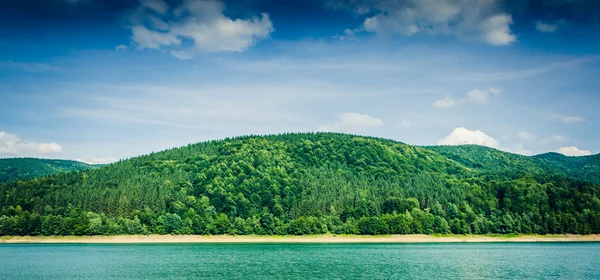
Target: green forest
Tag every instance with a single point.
(12, 169)
(312, 183)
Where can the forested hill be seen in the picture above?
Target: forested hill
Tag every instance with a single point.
(586, 168)
(582, 168)
(308, 184)
(12, 169)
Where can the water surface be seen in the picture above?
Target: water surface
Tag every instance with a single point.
(295, 261)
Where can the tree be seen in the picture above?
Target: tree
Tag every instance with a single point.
(171, 223)
(372, 225)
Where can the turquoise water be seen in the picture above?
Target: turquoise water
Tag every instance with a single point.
(294, 261)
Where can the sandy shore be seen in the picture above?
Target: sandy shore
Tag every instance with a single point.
(297, 239)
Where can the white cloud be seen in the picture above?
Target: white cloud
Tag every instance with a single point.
(8, 143)
(348, 34)
(12, 144)
(568, 119)
(203, 23)
(496, 30)
(403, 124)
(477, 96)
(150, 39)
(573, 151)
(518, 149)
(446, 102)
(95, 160)
(351, 122)
(121, 47)
(526, 135)
(471, 20)
(49, 148)
(401, 24)
(225, 34)
(462, 136)
(546, 27)
(183, 55)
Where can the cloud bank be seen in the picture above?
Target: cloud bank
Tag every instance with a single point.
(95, 160)
(481, 21)
(13, 145)
(464, 136)
(574, 151)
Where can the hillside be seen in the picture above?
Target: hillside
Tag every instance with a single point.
(488, 159)
(306, 184)
(585, 168)
(12, 169)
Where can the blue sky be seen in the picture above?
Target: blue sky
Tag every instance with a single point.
(99, 81)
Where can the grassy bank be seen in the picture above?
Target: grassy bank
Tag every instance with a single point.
(298, 239)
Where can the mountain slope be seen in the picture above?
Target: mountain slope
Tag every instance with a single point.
(305, 184)
(583, 168)
(485, 158)
(12, 169)
(586, 168)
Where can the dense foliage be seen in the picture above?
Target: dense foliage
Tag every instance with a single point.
(308, 184)
(586, 168)
(12, 169)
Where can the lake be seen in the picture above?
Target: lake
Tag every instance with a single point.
(295, 261)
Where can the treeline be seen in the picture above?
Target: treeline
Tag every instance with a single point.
(18, 222)
(301, 184)
(13, 169)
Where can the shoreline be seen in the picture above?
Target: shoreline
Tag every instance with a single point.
(330, 239)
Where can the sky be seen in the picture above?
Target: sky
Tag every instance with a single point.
(103, 80)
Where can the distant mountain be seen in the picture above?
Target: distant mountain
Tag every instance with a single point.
(488, 159)
(585, 168)
(12, 169)
(311, 183)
